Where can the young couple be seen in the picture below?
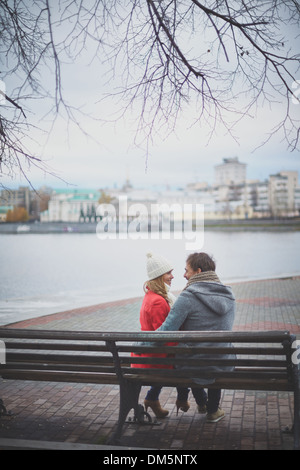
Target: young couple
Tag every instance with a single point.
(204, 304)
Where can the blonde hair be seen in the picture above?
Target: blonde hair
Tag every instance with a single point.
(157, 286)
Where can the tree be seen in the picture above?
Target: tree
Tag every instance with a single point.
(104, 198)
(167, 54)
(18, 214)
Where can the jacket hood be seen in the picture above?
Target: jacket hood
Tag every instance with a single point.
(217, 297)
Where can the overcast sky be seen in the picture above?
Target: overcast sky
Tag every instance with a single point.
(107, 157)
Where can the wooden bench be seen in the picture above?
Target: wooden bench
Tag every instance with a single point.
(263, 361)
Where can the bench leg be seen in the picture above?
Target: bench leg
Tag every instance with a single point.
(129, 398)
(3, 410)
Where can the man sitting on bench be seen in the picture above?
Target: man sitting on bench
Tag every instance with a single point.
(205, 304)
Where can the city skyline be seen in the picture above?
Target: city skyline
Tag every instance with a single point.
(231, 194)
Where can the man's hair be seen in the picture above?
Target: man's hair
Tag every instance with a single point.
(202, 261)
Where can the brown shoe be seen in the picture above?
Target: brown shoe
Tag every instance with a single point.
(182, 405)
(215, 417)
(156, 408)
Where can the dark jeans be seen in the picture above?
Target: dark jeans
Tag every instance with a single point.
(211, 399)
(153, 393)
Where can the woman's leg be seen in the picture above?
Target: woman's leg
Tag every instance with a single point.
(153, 393)
(152, 401)
(182, 393)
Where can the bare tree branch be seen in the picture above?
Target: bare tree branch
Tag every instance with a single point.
(164, 55)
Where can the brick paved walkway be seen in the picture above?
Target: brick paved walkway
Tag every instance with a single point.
(88, 413)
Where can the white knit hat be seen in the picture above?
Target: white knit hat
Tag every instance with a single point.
(157, 266)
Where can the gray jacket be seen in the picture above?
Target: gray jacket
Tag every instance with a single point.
(203, 306)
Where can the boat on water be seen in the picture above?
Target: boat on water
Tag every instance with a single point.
(23, 228)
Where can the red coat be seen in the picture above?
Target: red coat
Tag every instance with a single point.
(153, 313)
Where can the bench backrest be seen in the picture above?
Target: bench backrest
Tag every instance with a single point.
(105, 357)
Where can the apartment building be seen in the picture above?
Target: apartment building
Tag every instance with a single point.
(34, 202)
(283, 188)
(21, 197)
(231, 171)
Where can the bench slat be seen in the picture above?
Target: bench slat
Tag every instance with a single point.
(207, 362)
(58, 366)
(92, 347)
(58, 358)
(42, 345)
(253, 349)
(233, 382)
(229, 383)
(60, 376)
(259, 374)
(97, 360)
(202, 336)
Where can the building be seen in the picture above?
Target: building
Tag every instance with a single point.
(238, 198)
(233, 198)
(297, 200)
(231, 171)
(73, 205)
(258, 198)
(282, 192)
(16, 197)
(3, 212)
(34, 202)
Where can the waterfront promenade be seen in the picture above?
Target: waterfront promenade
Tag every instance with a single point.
(87, 414)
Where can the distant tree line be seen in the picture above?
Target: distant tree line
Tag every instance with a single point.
(17, 214)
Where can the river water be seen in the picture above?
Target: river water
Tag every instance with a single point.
(48, 273)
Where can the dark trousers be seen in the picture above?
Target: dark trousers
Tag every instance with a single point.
(211, 399)
(153, 393)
